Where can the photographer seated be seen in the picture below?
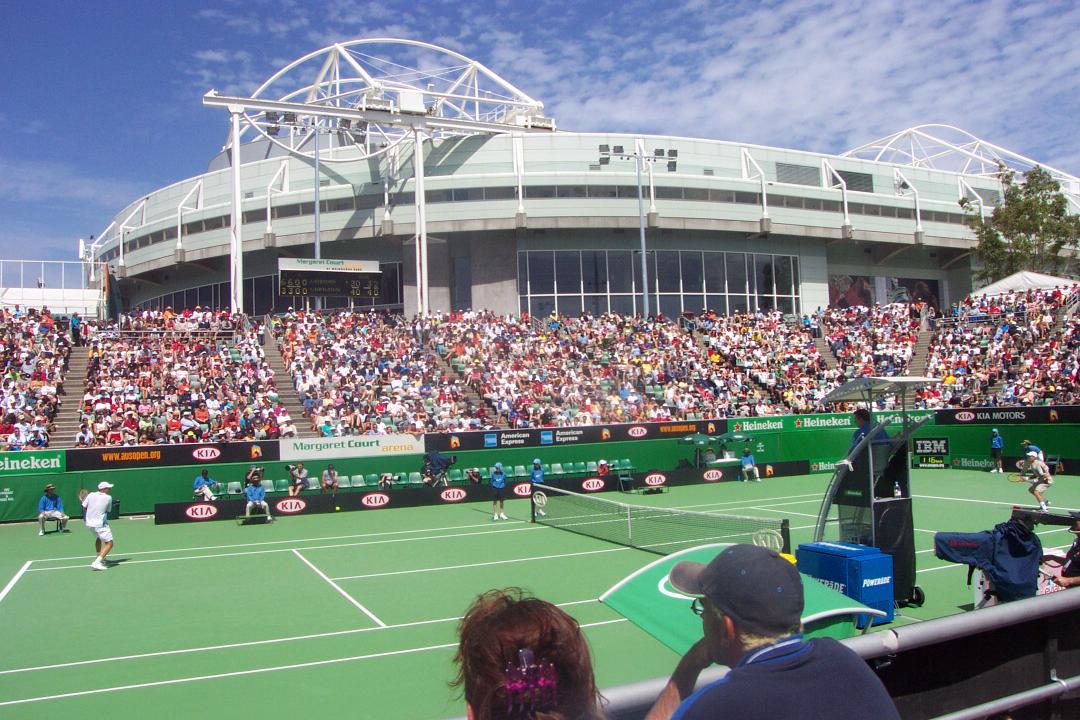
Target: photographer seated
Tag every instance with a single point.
(473, 476)
(386, 481)
(299, 479)
(603, 469)
(435, 466)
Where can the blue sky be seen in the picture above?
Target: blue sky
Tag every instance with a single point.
(100, 102)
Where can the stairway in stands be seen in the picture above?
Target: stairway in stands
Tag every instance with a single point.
(66, 422)
(287, 394)
(920, 355)
(826, 353)
(471, 396)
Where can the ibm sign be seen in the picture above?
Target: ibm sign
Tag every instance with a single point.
(931, 446)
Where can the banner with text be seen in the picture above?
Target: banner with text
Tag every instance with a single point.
(32, 462)
(355, 446)
(155, 456)
(543, 437)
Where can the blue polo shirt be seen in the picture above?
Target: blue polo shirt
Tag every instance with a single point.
(537, 475)
(498, 479)
(255, 493)
(816, 680)
(997, 442)
(50, 504)
(200, 481)
(748, 460)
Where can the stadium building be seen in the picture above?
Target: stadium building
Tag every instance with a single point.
(510, 213)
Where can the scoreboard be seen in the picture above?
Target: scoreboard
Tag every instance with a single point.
(328, 278)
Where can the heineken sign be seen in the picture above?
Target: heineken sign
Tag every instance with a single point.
(32, 462)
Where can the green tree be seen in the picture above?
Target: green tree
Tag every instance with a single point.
(1031, 229)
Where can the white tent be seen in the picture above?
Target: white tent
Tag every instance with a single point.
(1023, 281)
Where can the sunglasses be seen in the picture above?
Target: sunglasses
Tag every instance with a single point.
(697, 607)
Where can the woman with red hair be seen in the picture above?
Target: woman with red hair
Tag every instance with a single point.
(523, 658)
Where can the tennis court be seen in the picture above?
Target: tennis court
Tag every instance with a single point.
(356, 613)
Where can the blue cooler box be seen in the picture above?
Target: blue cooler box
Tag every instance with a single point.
(861, 572)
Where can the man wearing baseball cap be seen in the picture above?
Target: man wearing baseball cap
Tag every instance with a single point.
(51, 507)
(96, 509)
(750, 600)
(1070, 569)
(1037, 474)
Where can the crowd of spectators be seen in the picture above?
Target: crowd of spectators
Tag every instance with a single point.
(159, 377)
(872, 341)
(360, 373)
(34, 352)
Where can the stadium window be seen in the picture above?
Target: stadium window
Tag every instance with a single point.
(782, 273)
(724, 196)
(572, 191)
(669, 193)
(693, 303)
(254, 216)
(650, 269)
(541, 272)
(716, 303)
(698, 194)
(523, 274)
(831, 206)
(540, 191)
(569, 305)
(206, 296)
(785, 305)
(193, 228)
(887, 211)
(523, 304)
(468, 194)
(263, 300)
(670, 305)
(307, 208)
(747, 198)
(905, 213)
(874, 210)
(568, 272)
(594, 304)
(764, 275)
(500, 193)
(622, 304)
(285, 211)
(630, 192)
(603, 191)
(812, 203)
(541, 306)
(402, 199)
(736, 272)
(368, 202)
(857, 181)
(214, 223)
(142, 242)
(798, 174)
(439, 196)
(737, 304)
(593, 271)
(692, 274)
(344, 204)
(714, 272)
(620, 274)
(170, 233)
(667, 271)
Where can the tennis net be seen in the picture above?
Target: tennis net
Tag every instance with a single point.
(658, 530)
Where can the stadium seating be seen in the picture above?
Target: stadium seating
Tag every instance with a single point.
(33, 357)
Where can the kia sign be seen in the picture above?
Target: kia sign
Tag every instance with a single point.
(714, 475)
(202, 511)
(453, 495)
(965, 416)
(290, 506)
(523, 489)
(638, 431)
(655, 479)
(1039, 414)
(206, 453)
(592, 485)
(375, 500)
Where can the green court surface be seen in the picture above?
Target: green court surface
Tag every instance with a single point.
(356, 613)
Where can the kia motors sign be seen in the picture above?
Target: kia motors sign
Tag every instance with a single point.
(290, 506)
(202, 511)
(655, 479)
(638, 431)
(592, 485)
(206, 453)
(523, 489)
(375, 500)
(714, 475)
(453, 495)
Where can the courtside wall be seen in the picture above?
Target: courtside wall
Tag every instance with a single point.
(950, 439)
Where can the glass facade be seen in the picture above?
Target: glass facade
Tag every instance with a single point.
(261, 295)
(597, 281)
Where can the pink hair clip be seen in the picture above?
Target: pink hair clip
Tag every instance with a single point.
(530, 687)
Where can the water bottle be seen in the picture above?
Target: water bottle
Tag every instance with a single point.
(896, 489)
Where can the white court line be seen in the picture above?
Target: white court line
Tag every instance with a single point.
(14, 579)
(983, 502)
(347, 596)
(281, 542)
(256, 671)
(744, 501)
(782, 512)
(480, 564)
(252, 643)
(312, 547)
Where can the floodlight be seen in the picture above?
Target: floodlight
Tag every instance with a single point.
(618, 150)
(289, 117)
(605, 148)
(673, 153)
(345, 123)
(273, 130)
(658, 152)
(270, 116)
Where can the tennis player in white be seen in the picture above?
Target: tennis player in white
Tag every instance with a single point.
(96, 517)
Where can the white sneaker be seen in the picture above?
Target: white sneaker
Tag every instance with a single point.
(98, 565)
(495, 517)
(502, 516)
(40, 533)
(541, 513)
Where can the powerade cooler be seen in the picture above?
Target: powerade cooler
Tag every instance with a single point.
(861, 572)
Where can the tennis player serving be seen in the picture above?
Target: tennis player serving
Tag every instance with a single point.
(1036, 473)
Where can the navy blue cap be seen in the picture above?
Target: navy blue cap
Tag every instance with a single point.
(754, 584)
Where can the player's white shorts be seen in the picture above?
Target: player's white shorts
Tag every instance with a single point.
(103, 533)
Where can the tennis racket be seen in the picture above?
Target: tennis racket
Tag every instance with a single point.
(82, 495)
(1017, 477)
